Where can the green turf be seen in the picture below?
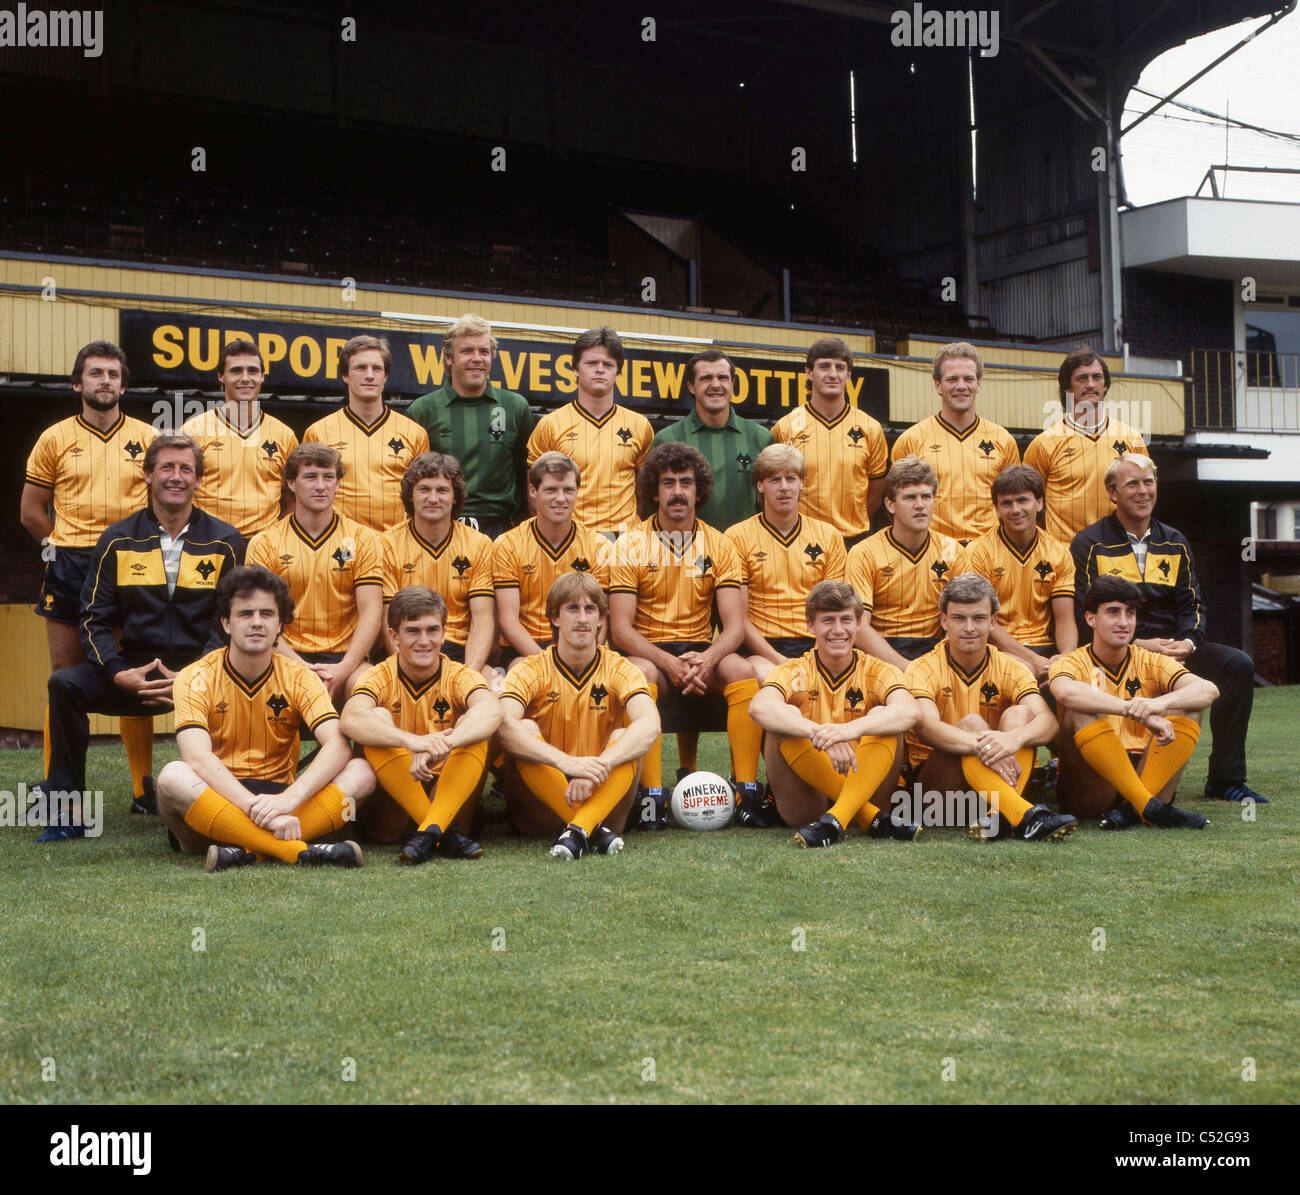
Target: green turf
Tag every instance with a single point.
(679, 951)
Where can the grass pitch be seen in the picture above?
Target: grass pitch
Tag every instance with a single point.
(694, 967)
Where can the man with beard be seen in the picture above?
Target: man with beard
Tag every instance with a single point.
(89, 467)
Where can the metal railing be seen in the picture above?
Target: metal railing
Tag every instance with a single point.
(1244, 391)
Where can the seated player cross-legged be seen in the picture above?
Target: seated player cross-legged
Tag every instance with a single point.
(667, 575)
(1130, 718)
(982, 716)
(424, 720)
(835, 720)
(578, 718)
(233, 792)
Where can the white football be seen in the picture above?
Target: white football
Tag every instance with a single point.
(703, 801)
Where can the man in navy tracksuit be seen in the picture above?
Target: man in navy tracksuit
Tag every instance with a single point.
(1131, 543)
(154, 575)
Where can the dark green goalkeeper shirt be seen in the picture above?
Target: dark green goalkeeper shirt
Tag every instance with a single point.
(731, 451)
(488, 435)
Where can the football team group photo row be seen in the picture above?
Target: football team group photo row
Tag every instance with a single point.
(466, 605)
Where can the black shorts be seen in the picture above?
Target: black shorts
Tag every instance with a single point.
(492, 526)
(911, 648)
(261, 788)
(1047, 651)
(453, 651)
(321, 657)
(60, 599)
(681, 649)
(792, 649)
(508, 654)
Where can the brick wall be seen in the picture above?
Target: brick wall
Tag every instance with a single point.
(1270, 647)
(1170, 315)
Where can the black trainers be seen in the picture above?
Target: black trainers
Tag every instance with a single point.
(455, 845)
(1236, 790)
(884, 826)
(755, 808)
(650, 811)
(418, 848)
(603, 841)
(1170, 817)
(1119, 817)
(331, 854)
(1040, 824)
(147, 802)
(572, 844)
(825, 831)
(223, 858)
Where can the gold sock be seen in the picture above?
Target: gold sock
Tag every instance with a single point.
(1004, 799)
(812, 766)
(596, 808)
(137, 738)
(214, 817)
(321, 812)
(688, 750)
(652, 767)
(875, 755)
(392, 767)
(745, 734)
(1100, 746)
(1163, 762)
(548, 785)
(462, 773)
(47, 743)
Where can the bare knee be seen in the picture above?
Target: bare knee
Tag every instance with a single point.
(356, 780)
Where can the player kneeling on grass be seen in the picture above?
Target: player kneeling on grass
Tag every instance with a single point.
(424, 721)
(233, 791)
(835, 719)
(578, 720)
(981, 719)
(1130, 718)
